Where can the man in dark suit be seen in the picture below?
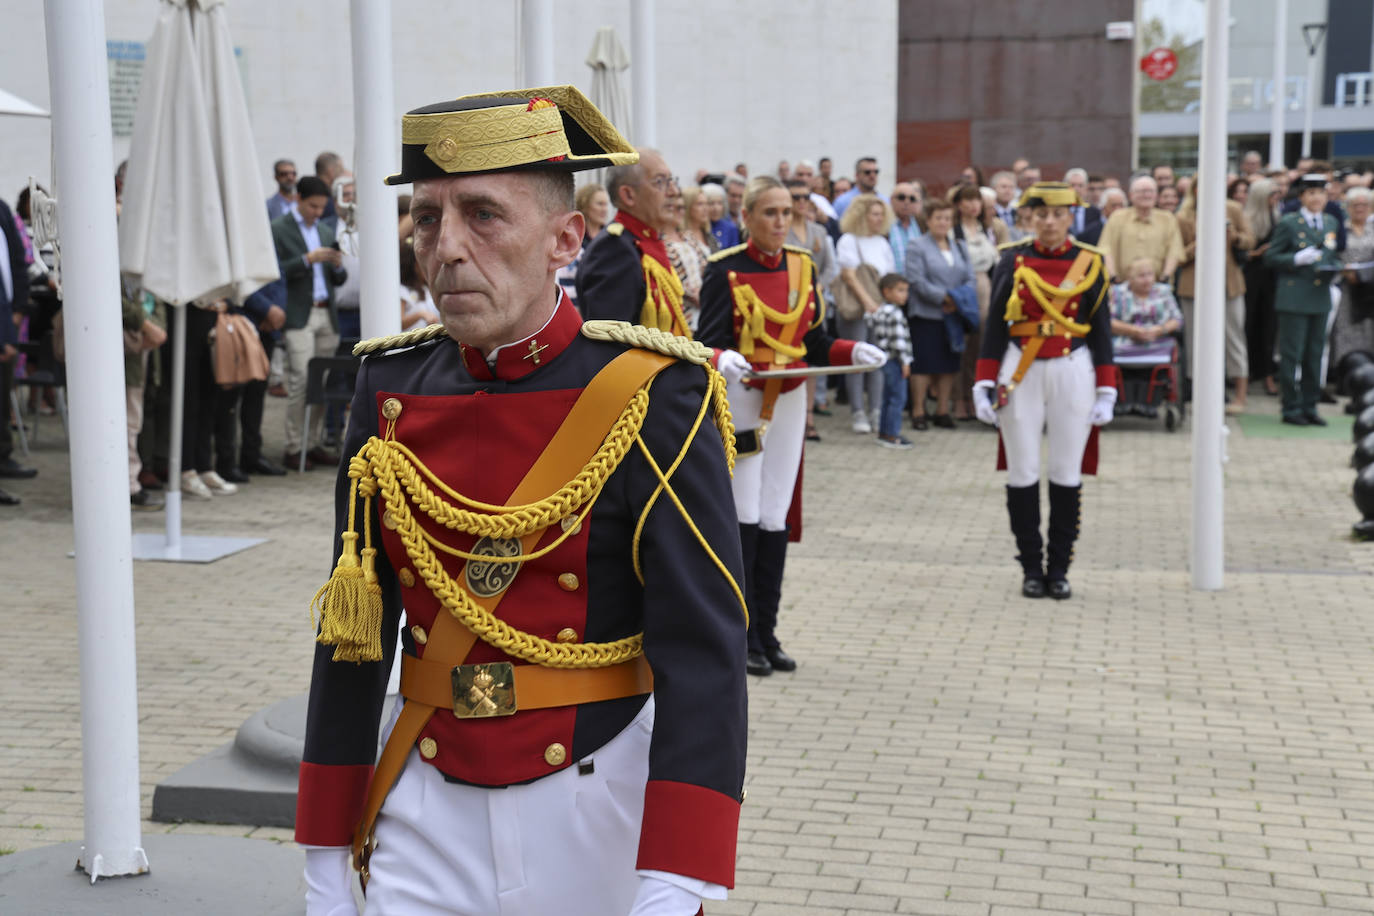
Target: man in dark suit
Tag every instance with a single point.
(1303, 251)
(1087, 219)
(14, 296)
(309, 260)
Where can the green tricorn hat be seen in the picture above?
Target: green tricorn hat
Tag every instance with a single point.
(1050, 194)
(554, 127)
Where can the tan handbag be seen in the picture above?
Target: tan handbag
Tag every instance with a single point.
(849, 306)
(238, 353)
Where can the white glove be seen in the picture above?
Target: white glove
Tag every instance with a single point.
(1309, 255)
(657, 897)
(1102, 412)
(732, 365)
(982, 402)
(329, 881)
(865, 354)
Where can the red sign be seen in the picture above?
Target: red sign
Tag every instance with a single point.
(1159, 64)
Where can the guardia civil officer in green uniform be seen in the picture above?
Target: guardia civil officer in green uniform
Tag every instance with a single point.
(1303, 252)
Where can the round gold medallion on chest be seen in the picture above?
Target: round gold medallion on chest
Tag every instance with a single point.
(487, 578)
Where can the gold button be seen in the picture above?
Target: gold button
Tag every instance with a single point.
(1066, 351)
(389, 519)
(428, 748)
(555, 754)
(418, 633)
(391, 408)
(571, 523)
(567, 634)
(568, 582)
(406, 576)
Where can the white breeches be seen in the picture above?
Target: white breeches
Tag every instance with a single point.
(563, 844)
(1057, 396)
(764, 481)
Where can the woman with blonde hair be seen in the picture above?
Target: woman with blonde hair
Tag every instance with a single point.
(1261, 321)
(864, 240)
(689, 245)
(1238, 236)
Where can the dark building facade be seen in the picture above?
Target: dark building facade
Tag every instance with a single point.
(984, 82)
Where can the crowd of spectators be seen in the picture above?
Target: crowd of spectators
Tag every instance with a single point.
(938, 237)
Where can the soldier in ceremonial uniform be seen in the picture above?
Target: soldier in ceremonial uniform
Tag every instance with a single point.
(626, 274)
(1046, 366)
(759, 300)
(545, 504)
(1303, 251)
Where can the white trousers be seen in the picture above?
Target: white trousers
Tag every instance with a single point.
(1057, 396)
(764, 481)
(563, 844)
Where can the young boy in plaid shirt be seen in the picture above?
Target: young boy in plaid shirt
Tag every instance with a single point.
(888, 330)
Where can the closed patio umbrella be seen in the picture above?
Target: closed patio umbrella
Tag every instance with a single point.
(193, 225)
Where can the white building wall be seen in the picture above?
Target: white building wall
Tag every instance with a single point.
(737, 82)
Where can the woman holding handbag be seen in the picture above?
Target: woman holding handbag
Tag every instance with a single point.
(864, 254)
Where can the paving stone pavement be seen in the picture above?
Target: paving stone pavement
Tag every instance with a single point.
(946, 747)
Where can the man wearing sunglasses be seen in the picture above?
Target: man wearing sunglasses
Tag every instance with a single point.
(906, 207)
(284, 171)
(865, 182)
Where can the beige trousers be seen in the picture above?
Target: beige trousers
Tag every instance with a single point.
(317, 338)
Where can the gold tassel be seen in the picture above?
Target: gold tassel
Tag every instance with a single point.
(350, 603)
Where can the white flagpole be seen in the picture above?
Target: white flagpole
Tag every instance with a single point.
(95, 369)
(1208, 554)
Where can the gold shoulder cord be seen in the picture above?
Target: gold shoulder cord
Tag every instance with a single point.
(350, 602)
(1044, 293)
(756, 314)
(662, 307)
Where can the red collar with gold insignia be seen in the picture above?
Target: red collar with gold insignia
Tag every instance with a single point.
(516, 360)
(1055, 251)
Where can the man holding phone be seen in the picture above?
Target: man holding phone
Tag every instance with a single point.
(310, 263)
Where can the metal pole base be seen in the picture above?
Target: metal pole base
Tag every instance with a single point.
(1363, 530)
(189, 549)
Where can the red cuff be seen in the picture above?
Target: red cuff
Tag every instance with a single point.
(986, 370)
(715, 357)
(329, 803)
(689, 830)
(1106, 376)
(842, 353)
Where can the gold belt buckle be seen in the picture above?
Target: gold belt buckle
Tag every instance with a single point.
(1046, 329)
(484, 691)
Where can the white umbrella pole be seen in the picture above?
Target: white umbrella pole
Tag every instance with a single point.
(100, 509)
(643, 65)
(1280, 102)
(176, 413)
(375, 149)
(1208, 554)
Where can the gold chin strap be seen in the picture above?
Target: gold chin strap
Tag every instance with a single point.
(663, 299)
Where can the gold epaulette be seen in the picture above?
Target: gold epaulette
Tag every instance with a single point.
(1093, 248)
(615, 228)
(637, 335)
(1025, 241)
(397, 341)
(726, 252)
(800, 250)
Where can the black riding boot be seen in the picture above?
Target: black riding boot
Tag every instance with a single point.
(1023, 509)
(757, 662)
(1065, 517)
(767, 592)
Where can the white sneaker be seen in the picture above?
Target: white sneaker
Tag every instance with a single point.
(861, 425)
(218, 484)
(192, 485)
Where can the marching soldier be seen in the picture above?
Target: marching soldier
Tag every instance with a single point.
(626, 274)
(546, 503)
(759, 306)
(1046, 366)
